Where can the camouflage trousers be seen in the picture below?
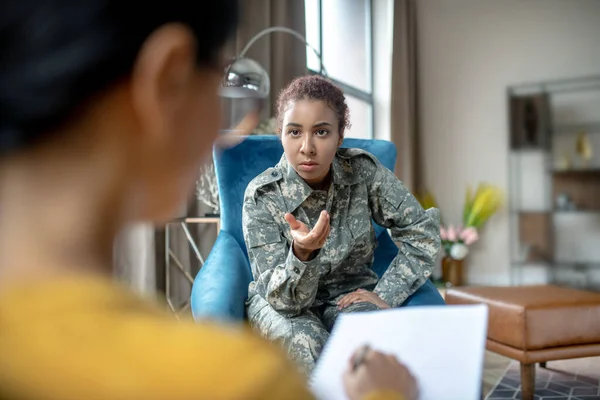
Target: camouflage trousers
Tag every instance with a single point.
(302, 336)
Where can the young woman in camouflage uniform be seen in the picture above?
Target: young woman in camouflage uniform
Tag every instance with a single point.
(307, 227)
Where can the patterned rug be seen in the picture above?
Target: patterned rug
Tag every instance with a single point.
(577, 379)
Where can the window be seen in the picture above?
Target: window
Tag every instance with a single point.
(341, 31)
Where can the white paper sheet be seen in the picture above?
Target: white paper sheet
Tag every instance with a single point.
(443, 346)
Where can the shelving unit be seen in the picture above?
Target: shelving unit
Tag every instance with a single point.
(554, 191)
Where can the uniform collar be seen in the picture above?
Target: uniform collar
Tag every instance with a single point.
(343, 172)
(295, 190)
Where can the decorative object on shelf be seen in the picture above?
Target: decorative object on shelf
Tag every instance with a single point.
(525, 251)
(584, 149)
(564, 202)
(529, 120)
(478, 209)
(207, 190)
(563, 163)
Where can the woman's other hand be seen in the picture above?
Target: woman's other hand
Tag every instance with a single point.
(362, 295)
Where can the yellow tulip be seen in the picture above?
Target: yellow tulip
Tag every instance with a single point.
(479, 206)
(427, 200)
(486, 202)
(468, 202)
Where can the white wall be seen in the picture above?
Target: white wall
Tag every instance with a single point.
(469, 52)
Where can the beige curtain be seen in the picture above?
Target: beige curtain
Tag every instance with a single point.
(139, 252)
(405, 102)
(281, 54)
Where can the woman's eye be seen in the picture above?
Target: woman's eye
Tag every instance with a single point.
(322, 132)
(294, 132)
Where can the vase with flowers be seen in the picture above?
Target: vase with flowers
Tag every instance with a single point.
(478, 209)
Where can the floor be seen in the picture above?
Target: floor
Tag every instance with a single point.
(577, 379)
(495, 367)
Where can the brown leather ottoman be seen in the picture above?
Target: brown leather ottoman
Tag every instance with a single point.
(536, 324)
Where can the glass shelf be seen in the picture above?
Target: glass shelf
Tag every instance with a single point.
(592, 170)
(566, 129)
(576, 211)
(558, 264)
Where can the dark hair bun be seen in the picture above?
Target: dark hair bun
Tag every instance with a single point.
(56, 55)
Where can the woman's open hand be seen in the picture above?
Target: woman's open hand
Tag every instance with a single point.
(307, 241)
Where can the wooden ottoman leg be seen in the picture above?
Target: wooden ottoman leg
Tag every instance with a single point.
(543, 364)
(527, 381)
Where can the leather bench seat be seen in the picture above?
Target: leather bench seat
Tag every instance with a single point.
(536, 324)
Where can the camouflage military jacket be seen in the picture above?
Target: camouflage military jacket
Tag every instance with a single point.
(361, 189)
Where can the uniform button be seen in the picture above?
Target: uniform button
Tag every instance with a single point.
(296, 270)
(427, 273)
(274, 174)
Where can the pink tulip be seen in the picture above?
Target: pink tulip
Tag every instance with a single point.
(463, 234)
(443, 233)
(469, 236)
(452, 236)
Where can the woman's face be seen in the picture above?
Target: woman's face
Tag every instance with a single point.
(310, 137)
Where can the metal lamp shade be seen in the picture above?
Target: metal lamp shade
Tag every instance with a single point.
(245, 78)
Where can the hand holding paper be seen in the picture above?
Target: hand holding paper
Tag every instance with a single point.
(442, 346)
(378, 372)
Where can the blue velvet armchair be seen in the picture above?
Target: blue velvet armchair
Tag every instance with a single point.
(220, 289)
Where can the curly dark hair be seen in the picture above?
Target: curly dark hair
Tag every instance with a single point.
(314, 87)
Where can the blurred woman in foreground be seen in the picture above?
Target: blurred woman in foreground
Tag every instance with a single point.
(107, 108)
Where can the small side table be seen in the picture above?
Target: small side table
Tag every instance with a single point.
(170, 256)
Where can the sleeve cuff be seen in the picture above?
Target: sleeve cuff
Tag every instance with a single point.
(296, 266)
(397, 284)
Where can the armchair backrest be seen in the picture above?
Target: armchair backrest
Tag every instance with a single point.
(237, 166)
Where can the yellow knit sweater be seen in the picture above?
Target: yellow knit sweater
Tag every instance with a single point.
(89, 339)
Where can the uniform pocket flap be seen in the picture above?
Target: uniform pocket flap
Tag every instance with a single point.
(395, 194)
(264, 235)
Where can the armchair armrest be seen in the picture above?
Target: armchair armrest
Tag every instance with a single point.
(426, 295)
(220, 289)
